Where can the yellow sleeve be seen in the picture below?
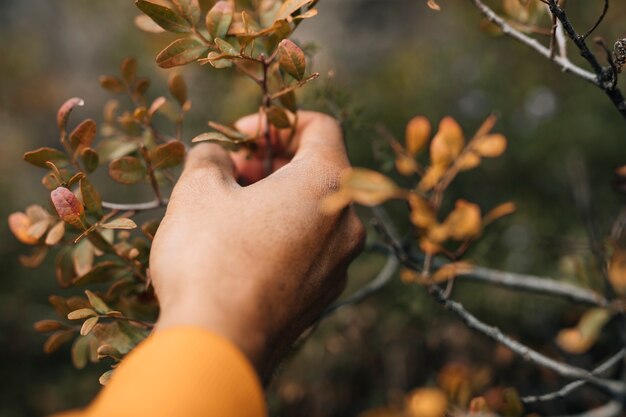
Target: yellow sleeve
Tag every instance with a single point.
(182, 371)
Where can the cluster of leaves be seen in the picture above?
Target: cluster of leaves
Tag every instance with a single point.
(94, 240)
(249, 36)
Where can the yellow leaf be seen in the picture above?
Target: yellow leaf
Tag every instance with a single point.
(581, 338)
(490, 146)
(426, 402)
(449, 271)
(447, 143)
(617, 270)
(406, 165)
(422, 214)
(368, 187)
(500, 211)
(417, 134)
(433, 174)
(464, 222)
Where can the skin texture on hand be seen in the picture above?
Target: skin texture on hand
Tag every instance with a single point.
(256, 264)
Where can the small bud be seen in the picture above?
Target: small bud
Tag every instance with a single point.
(68, 206)
(620, 54)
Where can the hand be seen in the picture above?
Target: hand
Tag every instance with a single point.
(256, 264)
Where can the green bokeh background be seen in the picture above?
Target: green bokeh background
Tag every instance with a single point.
(385, 61)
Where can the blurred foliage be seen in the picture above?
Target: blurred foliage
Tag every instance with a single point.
(401, 59)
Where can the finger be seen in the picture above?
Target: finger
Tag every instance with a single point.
(212, 162)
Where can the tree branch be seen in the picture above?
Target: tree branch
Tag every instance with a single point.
(567, 389)
(537, 285)
(150, 205)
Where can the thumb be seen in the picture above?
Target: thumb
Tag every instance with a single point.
(212, 162)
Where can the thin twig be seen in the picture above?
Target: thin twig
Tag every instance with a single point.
(537, 285)
(562, 61)
(150, 205)
(600, 19)
(569, 388)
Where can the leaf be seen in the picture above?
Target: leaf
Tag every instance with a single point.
(82, 257)
(447, 143)
(217, 60)
(97, 302)
(219, 19)
(80, 352)
(464, 221)
(502, 210)
(82, 313)
(107, 350)
(291, 59)
(468, 160)
(40, 156)
(229, 132)
(57, 339)
(120, 223)
(83, 135)
(432, 4)
(490, 146)
(406, 165)
(189, 9)
(88, 326)
(289, 101)
(417, 134)
(68, 207)
(426, 402)
(19, 224)
(55, 234)
(156, 105)
(168, 155)
(146, 24)
(422, 214)
(581, 338)
(112, 84)
(617, 270)
(433, 174)
(64, 269)
(128, 68)
(180, 52)
(105, 377)
(220, 139)
(368, 187)
(278, 117)
(289, 7)
(91, 197)
(226, 47)
(451, 270)
(178, 88)
(37, 256)
(127, 170)
(102, 272)
(43, 326)
(90, 158)
(64, 112)
(165, 17)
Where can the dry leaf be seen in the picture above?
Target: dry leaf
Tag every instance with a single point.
(417, 134)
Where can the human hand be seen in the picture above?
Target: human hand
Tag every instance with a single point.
(256, 264)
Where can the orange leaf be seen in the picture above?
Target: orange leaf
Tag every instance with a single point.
(500, 211)
(581, 338)
(433, 174)
(426, 402)
(368, 187)
(450, 271)
(468, 160)
(490, 146)
(417, 133)
(464, 222)
(447, 143)
(20, 223)
(422, 214)
(406, 165)
(617, 270)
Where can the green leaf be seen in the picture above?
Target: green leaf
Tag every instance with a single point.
(90, 158)
(168, 155)
(102, 272)
(97, 302)
(226, 47)
(64, 112)
(82, 257)
(127, 170)
(292, 59)
(91, 197)
(189, 9)
(165, 17)
(80, 352)
(120, 223)
(278, 117)
(180, 52)
(219, 18)
(82, 313)
(40, 156)
(88, 326)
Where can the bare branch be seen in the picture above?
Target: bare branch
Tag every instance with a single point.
(537, 285)
(562, 61)
(569, 388)
(150, 205)
(600, 19)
